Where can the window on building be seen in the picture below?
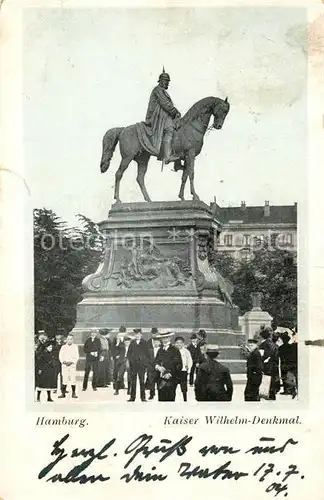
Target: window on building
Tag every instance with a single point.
(285, 239)
(228, 240)
(289, 238)
(246, 239)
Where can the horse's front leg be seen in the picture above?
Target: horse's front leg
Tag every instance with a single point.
(142, 163)
(183, 181)
(190, 161)
(119, 175)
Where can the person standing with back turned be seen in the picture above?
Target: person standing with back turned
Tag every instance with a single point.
(213, 381)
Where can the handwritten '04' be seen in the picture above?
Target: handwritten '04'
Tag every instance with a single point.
(145, 446)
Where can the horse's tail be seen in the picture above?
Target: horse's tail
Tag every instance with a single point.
(109, 144)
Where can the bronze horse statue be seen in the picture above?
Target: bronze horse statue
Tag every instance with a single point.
(187, 143)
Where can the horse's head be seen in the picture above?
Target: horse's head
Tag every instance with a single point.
(220, 112)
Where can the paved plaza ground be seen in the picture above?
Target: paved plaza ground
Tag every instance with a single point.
(107, 394)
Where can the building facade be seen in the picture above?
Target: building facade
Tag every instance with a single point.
(247, 228)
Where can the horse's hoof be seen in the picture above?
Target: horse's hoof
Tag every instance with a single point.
(118, 201)
(104, 167)
(196, 197)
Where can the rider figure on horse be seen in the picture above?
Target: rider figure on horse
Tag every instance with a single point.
(163, 117)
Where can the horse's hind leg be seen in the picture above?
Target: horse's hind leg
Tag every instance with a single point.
(119, 174)
(142, 163)
(183, 181)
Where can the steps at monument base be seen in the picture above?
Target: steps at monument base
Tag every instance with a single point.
(218, 337)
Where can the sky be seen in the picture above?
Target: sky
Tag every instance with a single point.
(88, 70)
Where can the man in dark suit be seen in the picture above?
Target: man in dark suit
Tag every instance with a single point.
(92, 350)
(59, 341)
(122, 366)
(270, 359)
(168, 364)
(138, 359)
(213, 381)
(288, 364)
(153, 346)
(127, 342)
(253, 371)
(194, 349)
(118, 354)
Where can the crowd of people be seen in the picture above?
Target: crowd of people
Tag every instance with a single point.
(272, 362)
(127, 362)
(156, 366)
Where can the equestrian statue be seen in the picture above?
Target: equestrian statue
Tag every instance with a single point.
(165, 135)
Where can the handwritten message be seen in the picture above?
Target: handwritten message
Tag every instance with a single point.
(274, 479)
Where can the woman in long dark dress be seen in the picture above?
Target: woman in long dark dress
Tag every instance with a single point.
(46, 374)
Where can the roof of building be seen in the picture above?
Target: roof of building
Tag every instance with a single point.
(257, 215)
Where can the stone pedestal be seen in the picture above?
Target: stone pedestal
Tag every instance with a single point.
(252, 320)
(156, 272)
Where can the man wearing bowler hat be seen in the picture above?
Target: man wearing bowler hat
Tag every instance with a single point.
(253, 370)
(138, 359)
(168, 364)
(213, 381)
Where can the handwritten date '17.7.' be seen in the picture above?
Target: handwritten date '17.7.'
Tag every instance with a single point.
(144, 446)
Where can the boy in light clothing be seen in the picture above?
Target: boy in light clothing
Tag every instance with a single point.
(68, 356)
(186, 366)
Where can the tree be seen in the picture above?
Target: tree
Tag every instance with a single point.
(277, 278)
(271, 271)
(63, 256)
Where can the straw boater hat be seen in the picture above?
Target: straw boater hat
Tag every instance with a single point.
(283, 329)
(164, 334)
